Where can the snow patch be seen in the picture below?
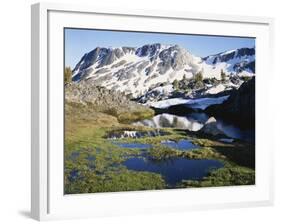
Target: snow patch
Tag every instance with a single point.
(201, 103)
(216, 89)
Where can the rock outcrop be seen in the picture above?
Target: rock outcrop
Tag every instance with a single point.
(211, 128)
(239, 107)
(100, 98)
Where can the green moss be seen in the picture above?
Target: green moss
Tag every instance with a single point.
(203, 153)
(226, 176)
(112, 181)
(132, 116)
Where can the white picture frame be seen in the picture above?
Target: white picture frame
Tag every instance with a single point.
(47, 198)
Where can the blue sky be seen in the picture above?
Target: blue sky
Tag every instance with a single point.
(80, 41)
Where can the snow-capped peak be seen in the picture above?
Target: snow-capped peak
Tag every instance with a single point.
(136, 71)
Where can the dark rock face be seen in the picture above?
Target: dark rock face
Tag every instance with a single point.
(105, 56)
(239, 107)
(245, 51)
(251, 66)
(227, 57)
(239, 67)
(124, 75)
(179, 110)
(234, 79)
(90, 58)
(148, 50)
(110, 57)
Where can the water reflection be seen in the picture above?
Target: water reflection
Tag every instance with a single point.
(194, 122)
(174, 170)
(171, 121)
(182, 144)
(133, 145)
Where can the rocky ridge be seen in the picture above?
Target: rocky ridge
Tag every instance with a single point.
(153, 68)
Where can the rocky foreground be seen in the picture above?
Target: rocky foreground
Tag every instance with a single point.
(100, 99)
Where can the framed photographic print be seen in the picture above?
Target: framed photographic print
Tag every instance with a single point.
(148, 111)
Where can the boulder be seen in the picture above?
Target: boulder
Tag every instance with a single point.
(211, 128)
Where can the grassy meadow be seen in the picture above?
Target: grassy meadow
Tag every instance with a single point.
(94, 164)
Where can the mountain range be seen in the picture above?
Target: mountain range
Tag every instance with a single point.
(154, 68)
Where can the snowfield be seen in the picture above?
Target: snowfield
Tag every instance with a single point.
(216, 89)
(201, 103)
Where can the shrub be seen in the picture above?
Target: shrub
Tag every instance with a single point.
(198, 77)
(67, 75)
(176, 84)
(223, 75)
